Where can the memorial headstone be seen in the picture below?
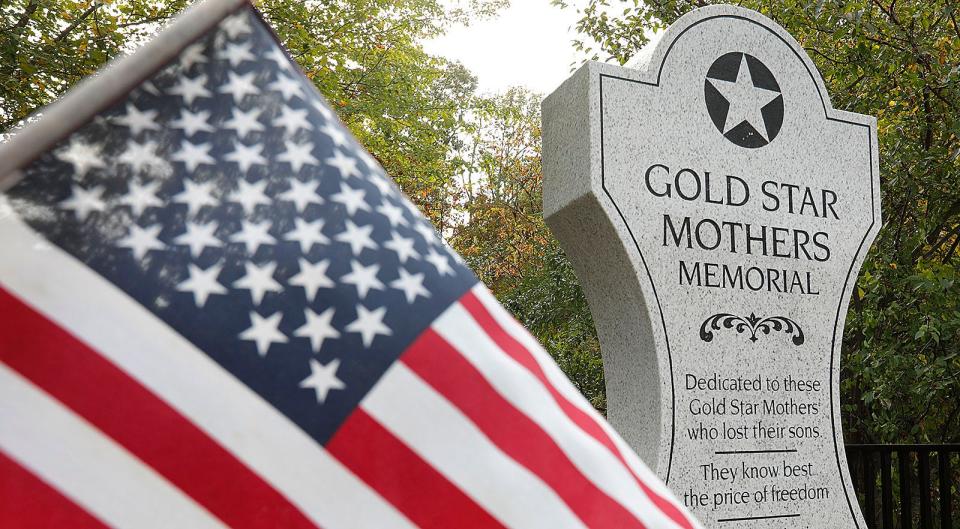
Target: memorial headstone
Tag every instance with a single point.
(717, 209)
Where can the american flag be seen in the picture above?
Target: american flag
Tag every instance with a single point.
(217, 310)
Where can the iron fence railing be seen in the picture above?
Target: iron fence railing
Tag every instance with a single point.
(907, 486)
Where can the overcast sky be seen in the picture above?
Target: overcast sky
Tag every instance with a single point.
(528, 44)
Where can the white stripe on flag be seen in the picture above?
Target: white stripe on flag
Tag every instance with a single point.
(119, 328)
(560, 381)
(443, 437)
(87, 466)
(528, 395)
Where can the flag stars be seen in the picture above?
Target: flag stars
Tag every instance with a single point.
(258, 280)
(83, 156)
(254, 235)
(411, 285)
(236, 54)
(318, 328)
(142, 240)
(195, 196)
(190, 88)
(246, 156)
(302, 194)
(287, 86)
(83, 202)
(345, 165)
(323, 379)
(298, 155)
(312, 277)
(239, 86)
(335, 133)
(140, 156)
(194, 155)
(292, 120)
(307, 234)
(352, 199)
(202, 283)
(393, 213)
(140, 196)
(192, 54)
(199, 236)
(244, 122)
(369, 324)
(192, 122)
(358, 237)
(279, 58)
(440, 262)
(250, 195)
(402, 246)
(320, 107)
(264, 331)
(236, 25)
(363, 277)
(138, 121)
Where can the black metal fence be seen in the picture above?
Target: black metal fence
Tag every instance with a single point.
(907, 486)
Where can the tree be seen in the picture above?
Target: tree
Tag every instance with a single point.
(501, 234)
(365, 56)
(899, 61)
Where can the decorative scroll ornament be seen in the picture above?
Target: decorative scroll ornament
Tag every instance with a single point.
(751, 323)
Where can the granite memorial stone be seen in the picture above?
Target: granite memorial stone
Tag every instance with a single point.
(717, 210)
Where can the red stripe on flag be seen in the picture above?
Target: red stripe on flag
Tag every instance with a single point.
(94, 388)
(452, 375)
(398, 474)
(29, 503)
(588, 424)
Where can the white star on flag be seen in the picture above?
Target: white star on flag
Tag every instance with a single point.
(194, 155)
(192, 122)
(244, 122)
(83, 202)
(307, 234)
(312, 277)
(363, 277)
(297, 155)
(239, 86)
(292, 120)
(141, 240)
(142, 195)
(250, 195)
(246, 156)
(202, 283)
(264, 331)
(82, 155)
(302, 194)
(258, 280)
(137, 120)
(253, 235)
(352, 199)
(317, 328)
(358, 237)
(195, 196)
(323, 379)
(191, 88)
(411, 285)
(199, 236)
(369, 324)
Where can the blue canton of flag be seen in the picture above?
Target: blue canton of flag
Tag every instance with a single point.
(227, 198)
(219, 312)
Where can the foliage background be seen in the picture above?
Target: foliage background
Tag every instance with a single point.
(472, 161)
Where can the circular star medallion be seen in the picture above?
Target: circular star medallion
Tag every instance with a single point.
(743, 100)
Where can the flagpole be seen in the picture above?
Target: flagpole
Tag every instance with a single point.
(94, 94)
